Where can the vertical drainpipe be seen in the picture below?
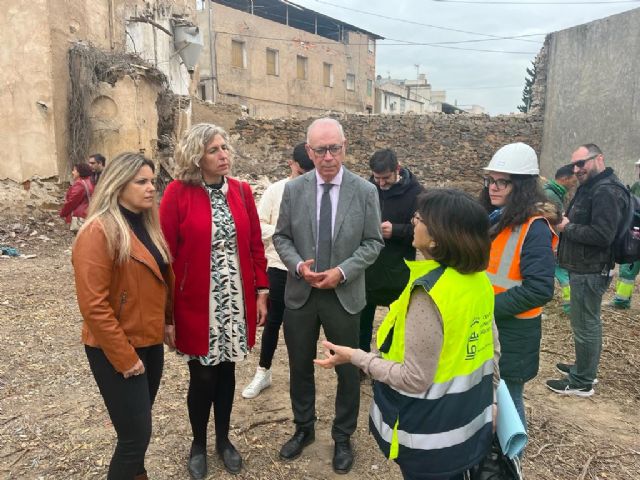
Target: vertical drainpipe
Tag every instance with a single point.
(315, 21)
(111, 22)
(212, 54)
(287, 13)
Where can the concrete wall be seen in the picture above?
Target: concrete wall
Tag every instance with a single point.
(273, 96)
(593, 92)
(34, 67)
(26, 127)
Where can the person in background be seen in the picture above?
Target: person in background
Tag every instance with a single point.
(522, 262)
(97, 163)
(439, 347)
(587, 234)
(76, 200)
(212, 227)
(556, 192)
(124, 285)
(627, 272)
(384, 280)
(268, 210)
(328, 233)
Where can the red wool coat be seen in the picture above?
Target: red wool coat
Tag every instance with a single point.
(76, 201)
(185, 216)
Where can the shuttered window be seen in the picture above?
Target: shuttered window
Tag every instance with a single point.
(238, 54)
(327, 74)
(301, 64)
(351, 81)
(272, 62)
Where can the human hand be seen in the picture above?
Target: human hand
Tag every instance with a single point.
(495, 417)
(309, 275)
(137, 369)
(261, 306)
(335, 355)
(386, 228)
(170, 337)
(562, 224)
(331, 279)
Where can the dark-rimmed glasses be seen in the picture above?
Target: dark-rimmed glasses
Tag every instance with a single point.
(500, 183)
(582, 163)
(322, 151)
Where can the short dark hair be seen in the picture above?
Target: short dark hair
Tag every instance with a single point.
(83, 169)
(564, 172)
(592, 148)
(301, 157)
(459, 226)
(383, 161)
(99, 158)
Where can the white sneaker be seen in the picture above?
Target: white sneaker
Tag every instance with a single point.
(261, 380)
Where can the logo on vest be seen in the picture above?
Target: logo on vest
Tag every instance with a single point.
(479, 327)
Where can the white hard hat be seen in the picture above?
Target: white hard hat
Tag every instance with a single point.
(517, 158)
(638, 162)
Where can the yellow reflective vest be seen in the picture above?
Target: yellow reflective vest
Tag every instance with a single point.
(448, 428)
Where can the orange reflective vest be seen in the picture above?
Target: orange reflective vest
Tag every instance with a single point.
(504, 261)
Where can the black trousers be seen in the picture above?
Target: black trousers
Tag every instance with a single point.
(211, 385)
(269, 342)
(301, 332)
(129, 402)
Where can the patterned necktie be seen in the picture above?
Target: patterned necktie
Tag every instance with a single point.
(323, 255)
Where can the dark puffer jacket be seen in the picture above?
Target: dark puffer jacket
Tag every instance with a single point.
(386, 278)
(594, 215)
(520, 338)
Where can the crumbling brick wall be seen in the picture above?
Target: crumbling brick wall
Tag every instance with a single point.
(442, 150)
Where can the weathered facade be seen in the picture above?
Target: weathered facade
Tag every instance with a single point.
(278, 59)
(592, 92)
(36, 84)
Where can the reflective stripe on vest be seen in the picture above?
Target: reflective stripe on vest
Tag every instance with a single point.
(446, 429)
(504, 262)
(431, 441)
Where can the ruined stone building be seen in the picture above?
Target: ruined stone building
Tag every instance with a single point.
(276, 59)
(80, 76)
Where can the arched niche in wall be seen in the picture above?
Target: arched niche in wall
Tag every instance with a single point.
(104, 122)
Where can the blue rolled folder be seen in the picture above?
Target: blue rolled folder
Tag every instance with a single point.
(511, 433)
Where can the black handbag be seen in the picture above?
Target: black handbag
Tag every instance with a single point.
(497, 466)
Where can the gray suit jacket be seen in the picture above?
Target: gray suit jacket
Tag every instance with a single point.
(357, 239)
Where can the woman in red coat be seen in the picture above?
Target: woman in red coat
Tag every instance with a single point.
(76, 200)
(211, 224)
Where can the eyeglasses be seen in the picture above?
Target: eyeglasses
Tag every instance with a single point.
(500, 183)
(581, 163)
(322, 151)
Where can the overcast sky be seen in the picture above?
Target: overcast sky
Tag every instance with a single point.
(493, 80)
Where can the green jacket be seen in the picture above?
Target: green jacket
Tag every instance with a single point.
(555, 193)
(635, 189)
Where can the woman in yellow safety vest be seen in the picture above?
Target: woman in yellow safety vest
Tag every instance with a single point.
(521, 267)
(436, 374)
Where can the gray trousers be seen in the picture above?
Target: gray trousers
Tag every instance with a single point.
(586, 299)
(301, 332)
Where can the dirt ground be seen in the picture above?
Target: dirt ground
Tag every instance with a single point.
(53, 423)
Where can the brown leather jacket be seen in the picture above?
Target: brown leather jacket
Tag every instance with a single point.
(124, 306)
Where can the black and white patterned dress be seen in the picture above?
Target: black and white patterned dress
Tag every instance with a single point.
(227, 326)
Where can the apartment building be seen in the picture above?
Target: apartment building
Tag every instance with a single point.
(277, 58)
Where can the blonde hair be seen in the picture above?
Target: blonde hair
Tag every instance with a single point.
(190, 151)
(104, 208)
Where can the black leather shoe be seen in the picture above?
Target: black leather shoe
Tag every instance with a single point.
(197, 462)
(293, 448)
(230, 457)
(342, 457)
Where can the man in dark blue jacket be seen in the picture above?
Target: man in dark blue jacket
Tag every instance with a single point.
(586, 251)
(386, 278)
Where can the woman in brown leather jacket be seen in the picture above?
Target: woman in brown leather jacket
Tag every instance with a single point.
(124, 285)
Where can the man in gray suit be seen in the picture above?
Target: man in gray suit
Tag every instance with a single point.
(327, 234)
